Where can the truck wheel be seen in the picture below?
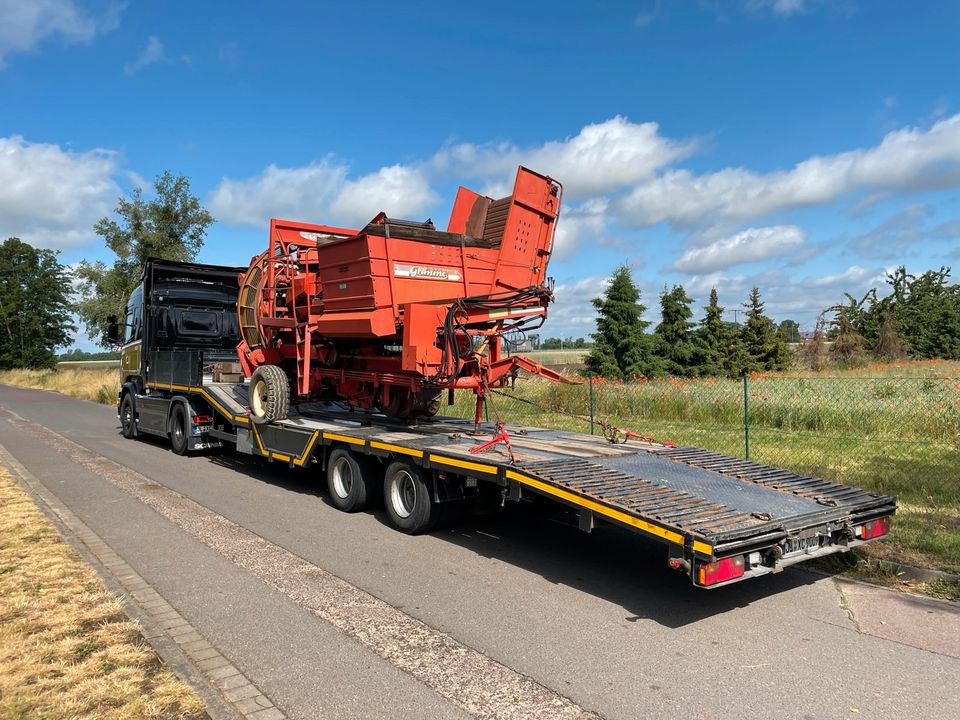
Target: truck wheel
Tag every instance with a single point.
(128, 420)
(408, 498)
(269, 394)
(350, 481)
(178, 430)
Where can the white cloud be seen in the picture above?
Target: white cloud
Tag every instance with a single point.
(906, 160)
(24, 24)
(578, 224)
(750, 245)
(50, 197)
(153, 53)
(321, 192)
(602, 157)
(785, 8)
(645, 17)
(400, 191)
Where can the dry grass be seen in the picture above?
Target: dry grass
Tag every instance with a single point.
(97, 385)
(67, 650)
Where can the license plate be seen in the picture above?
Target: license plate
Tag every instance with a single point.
(795, 546)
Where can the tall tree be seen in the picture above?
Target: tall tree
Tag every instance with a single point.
(764, 346)
(622, 348)
(673, 342)
(171, 226)
(34, 306)
(714, 339)
(789, 330)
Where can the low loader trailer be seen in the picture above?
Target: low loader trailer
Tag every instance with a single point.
(721, 519)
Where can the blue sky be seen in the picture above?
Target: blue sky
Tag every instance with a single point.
(801, 146)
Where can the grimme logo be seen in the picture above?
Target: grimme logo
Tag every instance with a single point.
(426, 272)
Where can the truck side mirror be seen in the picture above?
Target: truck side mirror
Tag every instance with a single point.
(113, 330)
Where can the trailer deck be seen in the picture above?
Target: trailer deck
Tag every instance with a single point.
(704, 505)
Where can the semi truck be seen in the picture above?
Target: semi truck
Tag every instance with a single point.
(720, 519)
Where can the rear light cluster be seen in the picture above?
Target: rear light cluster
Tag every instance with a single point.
(872, 529)
(202, 419)
(720, 571)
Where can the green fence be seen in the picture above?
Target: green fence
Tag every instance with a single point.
(898, 435)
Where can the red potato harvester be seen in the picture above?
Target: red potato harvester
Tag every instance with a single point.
(391, 315)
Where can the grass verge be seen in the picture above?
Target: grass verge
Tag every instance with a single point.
(67, 650)
(97, 385)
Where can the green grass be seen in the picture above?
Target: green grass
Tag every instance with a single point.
(888, 429)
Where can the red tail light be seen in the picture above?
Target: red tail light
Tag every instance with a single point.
(720, 570)
(873, 529)
(202, 419)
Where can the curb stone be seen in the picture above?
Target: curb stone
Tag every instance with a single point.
(226, 692)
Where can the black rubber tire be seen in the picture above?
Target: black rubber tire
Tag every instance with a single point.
(408, 498)
(274, 404)
(426, 403)
(350, 480)
(179, 439)
(128, 418)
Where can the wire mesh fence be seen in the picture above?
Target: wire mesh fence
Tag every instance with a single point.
(898, 435)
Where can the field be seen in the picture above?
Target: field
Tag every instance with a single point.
(888, 428)
(67, 650)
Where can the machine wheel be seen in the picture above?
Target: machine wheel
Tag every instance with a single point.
(350, 480)
(401, 402)
(128, 419)
(178, 430)
(408, 498)
(426, 403)
(269, 394)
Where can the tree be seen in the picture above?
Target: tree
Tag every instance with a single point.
(622, 348)
(790, 331)
(765, 348)
(673, 342)
(714, 339)
(34, 306)
(171, 226)
(849, 345)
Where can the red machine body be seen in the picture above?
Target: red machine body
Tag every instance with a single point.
(390, 315)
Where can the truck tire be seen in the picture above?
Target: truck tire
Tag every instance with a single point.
(128, 417)
(408, 498)
(350, 481)
(269, 394)
(179, 438)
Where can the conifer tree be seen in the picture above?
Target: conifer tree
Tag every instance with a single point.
(765, 347)
(713, 339)
(622, 348)
(673, 342)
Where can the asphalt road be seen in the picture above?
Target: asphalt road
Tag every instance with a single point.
(597, 622)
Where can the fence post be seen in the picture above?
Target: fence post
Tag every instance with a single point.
(746, 415)
(590, 391)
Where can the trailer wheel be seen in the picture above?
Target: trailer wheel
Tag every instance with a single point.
(128, 420)
(178, 430)
(269, 394)
(350, 481)
(408, 499)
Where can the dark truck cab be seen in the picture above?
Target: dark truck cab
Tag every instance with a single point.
(178, 322)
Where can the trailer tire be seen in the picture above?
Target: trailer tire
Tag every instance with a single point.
(128, 418)
(269, 394)
(179, 440)
(408, 498)
(350, 481)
